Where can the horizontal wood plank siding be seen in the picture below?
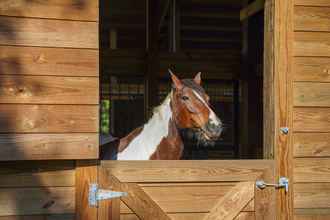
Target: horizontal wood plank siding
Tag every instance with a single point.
(85, 10)
(48, 118)
(311, 119)
(48, 33)
(37, 173)
(40, 217)
(49, 90)
(312, 69)
(311, 94)
(37, 187)
(312, 195)
(29, 201)
(312, 170)
(311, 144)
(48, 61)
(312, 18)
(321, 3)
(312, 44)
(49, 146)
(311, 138)
(49, 86)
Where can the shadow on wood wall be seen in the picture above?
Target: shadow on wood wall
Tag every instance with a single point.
(19, 178)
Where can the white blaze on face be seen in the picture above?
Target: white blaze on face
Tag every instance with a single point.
(212, 116)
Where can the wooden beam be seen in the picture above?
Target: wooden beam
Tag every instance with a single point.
(86, 173)
(152, 61)
(252, 9)
(203, 171)
(279, 107)
(231, 204)
(137, 200)
(107, 209)
(265, 199)
(164, 13)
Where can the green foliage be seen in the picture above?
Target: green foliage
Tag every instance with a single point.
(105, 117)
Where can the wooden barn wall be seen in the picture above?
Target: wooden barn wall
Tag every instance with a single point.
(48, 104)
(311, 119)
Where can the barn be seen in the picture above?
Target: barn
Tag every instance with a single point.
(73, 70)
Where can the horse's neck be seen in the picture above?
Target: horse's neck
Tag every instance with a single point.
(145, 144)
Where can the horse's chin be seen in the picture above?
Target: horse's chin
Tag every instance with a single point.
(204, 138)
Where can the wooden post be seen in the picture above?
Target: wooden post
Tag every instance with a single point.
(152, 61)
(244, 74)
(86, 173)
(278, 88)
(107, 209)
(265, 199)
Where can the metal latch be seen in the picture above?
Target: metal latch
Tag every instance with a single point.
(96, 194)
(283, 182)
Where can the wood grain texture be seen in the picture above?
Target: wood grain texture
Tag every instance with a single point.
(184, 198)
(311, 120)
(48, 61)
(190, 216)
(311, 18)
(48, 33)
(312, 195)
(190, 206)
(29, 201)
(312, 44)
(312, 2)
(37, 174)
(324, 211)
(35, 179)
(245, 216)
(39, 217)
(281, 27)
(137, 200)
(186, 171)
(268, 83)
(312, 69)
(86, 174)
(312, 170)
(107, 209)
(311, 94)
(311, 145)
(48, 118)
(312, 217)
(265, 199)
(49, 90)
(60, 9)
(229, 206)
(48, 146)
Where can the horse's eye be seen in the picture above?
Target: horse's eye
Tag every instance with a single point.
(185, 98)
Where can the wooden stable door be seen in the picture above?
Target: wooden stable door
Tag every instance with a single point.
(180, 190)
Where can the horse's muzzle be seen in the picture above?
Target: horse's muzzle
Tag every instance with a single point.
(212, 131)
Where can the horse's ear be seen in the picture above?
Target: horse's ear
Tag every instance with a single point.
(198, 79)
(176, 81)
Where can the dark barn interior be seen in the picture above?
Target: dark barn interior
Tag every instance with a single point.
(140, 40)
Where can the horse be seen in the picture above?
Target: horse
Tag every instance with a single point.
(187, 106)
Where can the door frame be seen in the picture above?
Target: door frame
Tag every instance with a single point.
(277, 115)
(278, 83)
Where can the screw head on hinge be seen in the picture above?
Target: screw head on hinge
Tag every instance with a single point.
(284, 130)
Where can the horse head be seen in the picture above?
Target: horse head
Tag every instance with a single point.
(191, 108)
